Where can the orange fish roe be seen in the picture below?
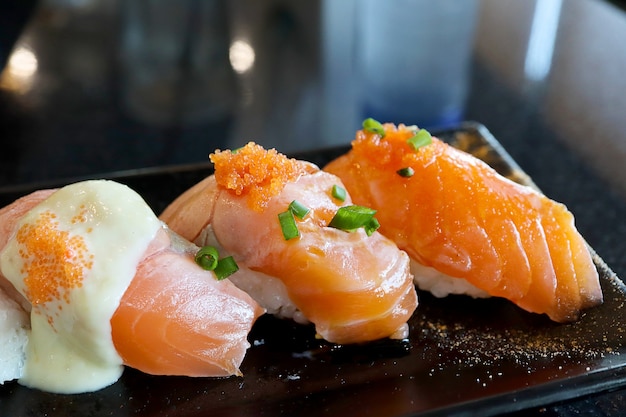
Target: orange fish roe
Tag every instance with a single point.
(54, 261)
(261, 174)
(81, 216)
(392, 150)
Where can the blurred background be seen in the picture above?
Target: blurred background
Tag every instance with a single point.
(92, 86)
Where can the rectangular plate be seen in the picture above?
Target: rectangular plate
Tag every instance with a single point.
(481, 356)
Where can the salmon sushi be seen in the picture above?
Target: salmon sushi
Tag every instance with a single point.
(274, 215)
(104, 283)
(466, 228)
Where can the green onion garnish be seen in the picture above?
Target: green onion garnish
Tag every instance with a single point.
(350, 218)
(298, 209)
(371, 226)
(207, 258)
(287, 219)
(374, 126)
(339, 193)
(421, 138)
(406, 172)
(225, 268)
(288, 225)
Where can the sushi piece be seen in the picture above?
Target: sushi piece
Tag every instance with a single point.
(466, 228)
(354, 286)
(14, 328)
(103, 283)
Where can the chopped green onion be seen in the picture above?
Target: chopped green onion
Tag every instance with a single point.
(298, 209)
(406, 172)
(288, 225)
(287, 219)
(350, 218)
(371, 226)
(339, 193)
(207, 258)
(374, 126)
(225, 268)
(421, 138)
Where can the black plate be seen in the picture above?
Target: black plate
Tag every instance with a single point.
(464, 356)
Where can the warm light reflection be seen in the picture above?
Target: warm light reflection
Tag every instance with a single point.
(241, 56)
(23, 63)
(542, 39)
(20, 70)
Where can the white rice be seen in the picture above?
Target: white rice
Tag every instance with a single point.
(269, 292)
(442, 285)
(14, 331)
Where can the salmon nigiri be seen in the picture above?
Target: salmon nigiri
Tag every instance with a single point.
(466, 228)
(107, 284)
(354, 286)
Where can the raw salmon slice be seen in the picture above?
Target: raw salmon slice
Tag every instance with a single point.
(351, 286)
(452, 213)
(178, 319)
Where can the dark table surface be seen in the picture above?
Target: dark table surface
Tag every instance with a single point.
(546, 77)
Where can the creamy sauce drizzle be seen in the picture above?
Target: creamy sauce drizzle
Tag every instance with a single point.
(73, 256)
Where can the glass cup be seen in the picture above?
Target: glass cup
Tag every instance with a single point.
(174, 61)
(413, 59)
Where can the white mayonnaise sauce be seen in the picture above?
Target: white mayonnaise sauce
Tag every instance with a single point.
(90, 237)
